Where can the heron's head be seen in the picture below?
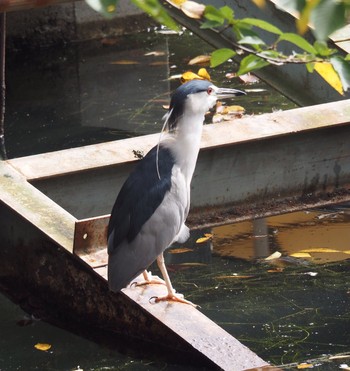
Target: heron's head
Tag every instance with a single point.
(195, 98)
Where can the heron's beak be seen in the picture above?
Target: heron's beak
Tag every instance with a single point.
(223, 93)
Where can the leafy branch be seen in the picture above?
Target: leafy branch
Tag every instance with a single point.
(250, 34)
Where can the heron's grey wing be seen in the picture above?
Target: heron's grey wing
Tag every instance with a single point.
(140, 196)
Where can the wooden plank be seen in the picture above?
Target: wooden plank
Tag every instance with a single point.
(35, 267)
(35, 207)
(233, 132)
(249, 166)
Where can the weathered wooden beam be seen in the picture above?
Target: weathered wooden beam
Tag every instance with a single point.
(253, 165)
(39, 271)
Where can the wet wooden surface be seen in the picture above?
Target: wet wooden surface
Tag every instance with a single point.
(188, 322)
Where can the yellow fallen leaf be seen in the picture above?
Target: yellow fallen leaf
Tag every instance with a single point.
(179, 250)
(124, 62)
(273, 256)
(346, 251)
(229, 110)
(319, 249)
(200, 59)
(189, 75)
(42, 346)
(202, 72)
(300, 255)
(327, 72)
(276, 270)
(207, 237)
(302, 366)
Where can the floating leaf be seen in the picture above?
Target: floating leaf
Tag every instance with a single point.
(249, 78)
(328, 73)
(234, 276)
(124, 62)
(180, 250)
(202, 72)
(207, 237)
(302, 366)
(189, 75)
(276, 270)
(273, 256)
(200, 59)
(220, 56)
(230, 110)
(300, 255)
(42, 346)
(319, 249)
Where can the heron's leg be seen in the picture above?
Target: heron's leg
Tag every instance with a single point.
(172, 295)
(149, 279)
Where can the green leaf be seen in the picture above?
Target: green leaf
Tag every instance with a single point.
(271, 54)
(210, 24)
(155, 10)
(327, 17)
(250, 63)
(251, 40)
(262, 24)
(227, 13)
(322, 49)
(342, 67)
(347, 57)
(298, 41)
(310, 67)
(213, 14)
(220, 56)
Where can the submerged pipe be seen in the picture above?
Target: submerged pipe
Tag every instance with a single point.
(3, 155)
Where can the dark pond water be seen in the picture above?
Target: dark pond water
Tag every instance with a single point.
(104, 90)
(287, 310)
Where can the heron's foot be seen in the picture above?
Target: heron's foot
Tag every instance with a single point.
(179, 298)
(149, 279)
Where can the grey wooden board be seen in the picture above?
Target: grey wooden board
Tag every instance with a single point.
(249, 160)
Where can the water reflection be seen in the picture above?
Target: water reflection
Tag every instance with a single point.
(288, 309)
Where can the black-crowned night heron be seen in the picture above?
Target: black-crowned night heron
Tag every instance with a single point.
(152, 206)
